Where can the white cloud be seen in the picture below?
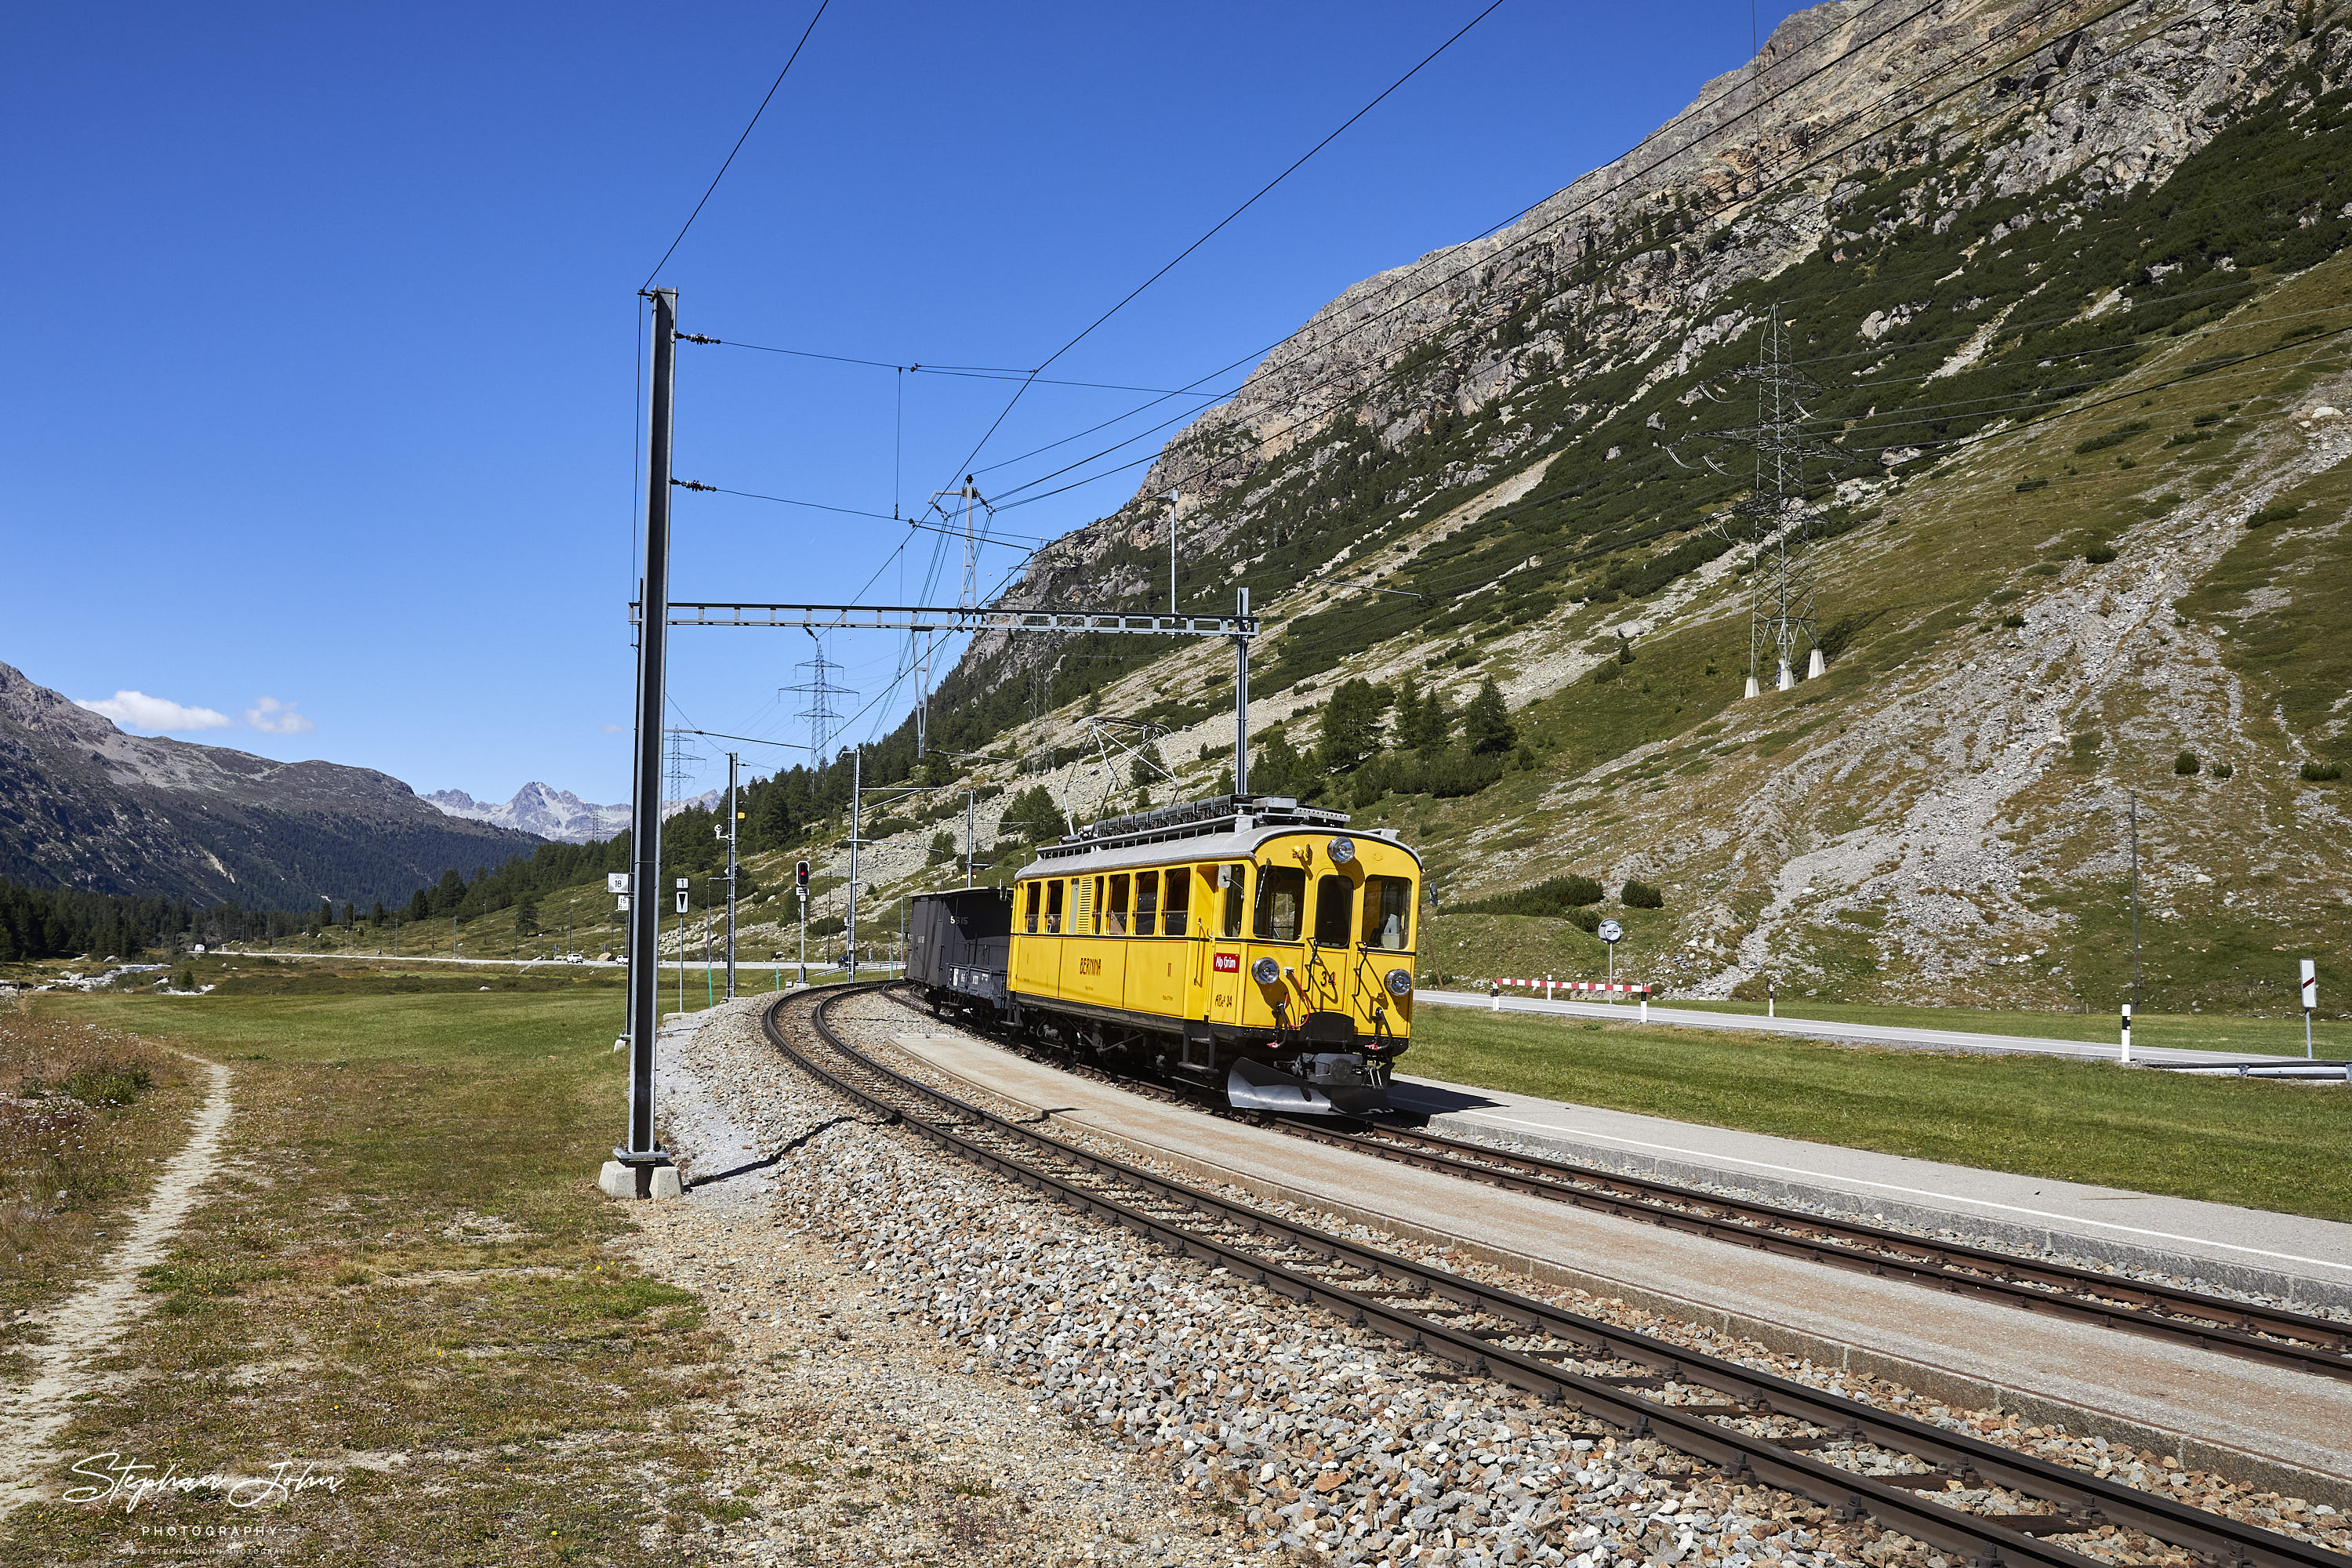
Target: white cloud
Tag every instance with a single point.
(616, 729)
(272, 717)
(144, 713)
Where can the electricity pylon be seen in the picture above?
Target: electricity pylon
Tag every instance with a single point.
(1775, 522)
(820, 689)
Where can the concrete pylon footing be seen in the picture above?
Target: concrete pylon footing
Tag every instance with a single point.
(619, 1181)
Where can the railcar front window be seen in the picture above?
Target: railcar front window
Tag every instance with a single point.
(1236, 879)
(1147, 901)
(1335, 910)
(1029, 919)
(1115, 912)
(1054, 909)
(1179, 894)
(1281, 902)
(1387, 913)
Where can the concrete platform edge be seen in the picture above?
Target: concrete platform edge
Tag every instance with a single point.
(2294, 1289)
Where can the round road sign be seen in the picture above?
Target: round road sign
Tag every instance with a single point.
(1609, 930)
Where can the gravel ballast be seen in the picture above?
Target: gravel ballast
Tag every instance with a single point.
(936, 1365)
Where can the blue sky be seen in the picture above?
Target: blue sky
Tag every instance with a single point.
(323, 420)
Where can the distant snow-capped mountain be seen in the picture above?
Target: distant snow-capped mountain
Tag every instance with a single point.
(536, 808)
(557, 813)
(707, 800)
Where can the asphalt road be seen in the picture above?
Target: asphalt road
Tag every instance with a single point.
(1866, 1034)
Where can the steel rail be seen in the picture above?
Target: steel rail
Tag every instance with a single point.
(2027, 1283)
(2082, 1501)
(2149, 1308)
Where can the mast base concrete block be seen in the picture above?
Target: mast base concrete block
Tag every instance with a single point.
(619, 1181)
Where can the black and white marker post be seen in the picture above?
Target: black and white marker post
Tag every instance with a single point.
(641, 1167)
(2310, 1002)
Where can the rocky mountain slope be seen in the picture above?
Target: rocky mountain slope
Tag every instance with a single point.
(2066, 309)
(83, 805)
(540, 809)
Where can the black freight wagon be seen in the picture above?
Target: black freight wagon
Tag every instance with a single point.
(958, 945)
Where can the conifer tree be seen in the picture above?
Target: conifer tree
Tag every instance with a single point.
(1408, 712)
(1278, 769)
(1486, 721)
(1032, 817)
(1351, 725)
(1432, 726)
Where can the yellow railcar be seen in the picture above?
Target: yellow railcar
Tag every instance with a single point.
(1246, 943)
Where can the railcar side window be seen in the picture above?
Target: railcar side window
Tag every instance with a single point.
(1147, 901)
(1388, 912)
(1029, 919)
(1236, 885)
(1335, 910)
(1115, 912)
(1179, 894)
(1281, 900)
(1053, 908)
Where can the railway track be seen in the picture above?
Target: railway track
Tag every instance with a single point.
(2270, 1334)
(1952, 1491)
(2163, 1312)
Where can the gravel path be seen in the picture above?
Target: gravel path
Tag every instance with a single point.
(70, 1362)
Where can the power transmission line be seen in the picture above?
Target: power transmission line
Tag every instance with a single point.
(966, 372)
(1568, 213)
(1132, 294)
(1012, 498)
(737, 147)
(992, 538)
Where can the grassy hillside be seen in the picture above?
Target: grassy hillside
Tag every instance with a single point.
(2077, 516)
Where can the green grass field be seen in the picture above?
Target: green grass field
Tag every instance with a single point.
(404, 1255)
(403, 1264)
(2261, 1145)
(2178, 1031)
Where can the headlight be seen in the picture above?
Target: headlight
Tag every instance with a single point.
(1341, 849)
(1266, 971)
(1400, 981)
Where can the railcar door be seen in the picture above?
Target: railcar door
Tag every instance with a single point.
(1038, 951)
(1227, 919)
(1326, 978)
(1278, 920)
(1156, 969)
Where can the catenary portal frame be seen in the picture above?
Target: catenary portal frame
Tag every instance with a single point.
(653, 615)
